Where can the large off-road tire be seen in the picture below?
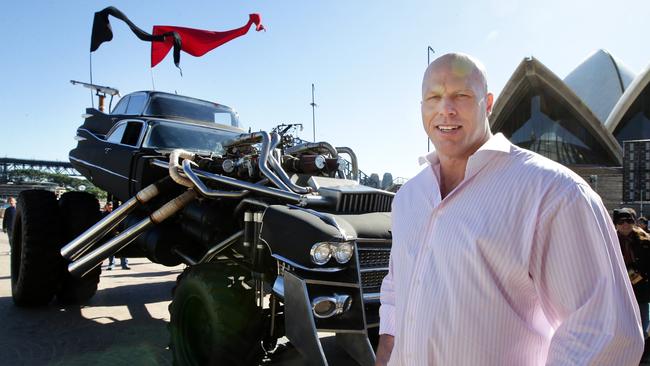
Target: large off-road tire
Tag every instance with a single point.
(35, 258)
(79, 211)
(214, 320)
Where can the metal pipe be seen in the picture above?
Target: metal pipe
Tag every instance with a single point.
(264, 157)
(80, 244)
(186, 258)
(265, 151)
(174, 166)
(203, 189)
(89, 261)
(221, 246)
(275, 139)
(269, 191)
(353, 160)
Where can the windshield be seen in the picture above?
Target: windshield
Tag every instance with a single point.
(167, 136)
(200, 110)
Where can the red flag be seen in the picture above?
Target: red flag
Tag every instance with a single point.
(197, 42)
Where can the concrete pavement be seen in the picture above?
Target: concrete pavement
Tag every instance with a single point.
(125, 323)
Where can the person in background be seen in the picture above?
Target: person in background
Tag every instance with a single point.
(8, 219)
(124, 262)
(635, 246)
(642, 222)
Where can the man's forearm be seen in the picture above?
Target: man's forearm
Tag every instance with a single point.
(384, 349)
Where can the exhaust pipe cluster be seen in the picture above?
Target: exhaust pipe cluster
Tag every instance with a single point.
(76, 250)
(83, 259)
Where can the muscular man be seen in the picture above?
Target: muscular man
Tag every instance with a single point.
(500, 256)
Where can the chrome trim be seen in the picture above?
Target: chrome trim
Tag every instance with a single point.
(373, 269)
(86, 263)
(203, 189)
(332, 283)
(122, 122)
(100, 168)
(312, 252)
(89, 261)
(313, 269)
(374, 240)
(372, 297)
(340, 303)
(353, 160)
(82, 242)
(275, 139)
(269, 191)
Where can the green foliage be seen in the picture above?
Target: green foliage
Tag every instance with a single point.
(70, 183)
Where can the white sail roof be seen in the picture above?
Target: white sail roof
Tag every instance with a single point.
(600, 81)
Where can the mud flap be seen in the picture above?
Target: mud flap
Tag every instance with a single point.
(299, 321)
(357, 346)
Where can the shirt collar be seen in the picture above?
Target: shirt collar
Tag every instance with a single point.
(497, 142)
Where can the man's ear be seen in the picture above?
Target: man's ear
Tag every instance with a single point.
(489, 100)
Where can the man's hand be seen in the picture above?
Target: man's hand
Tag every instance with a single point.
(384, 349)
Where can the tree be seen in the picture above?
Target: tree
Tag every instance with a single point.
(69, 183)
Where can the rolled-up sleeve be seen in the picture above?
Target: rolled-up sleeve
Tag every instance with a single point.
(582, 283)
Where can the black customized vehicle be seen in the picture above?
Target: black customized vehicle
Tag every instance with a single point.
(278, 236)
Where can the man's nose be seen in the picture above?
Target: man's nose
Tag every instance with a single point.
(448, 106)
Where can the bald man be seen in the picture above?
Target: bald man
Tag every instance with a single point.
(500, 256)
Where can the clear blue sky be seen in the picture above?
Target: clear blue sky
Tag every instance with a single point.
(366, 59)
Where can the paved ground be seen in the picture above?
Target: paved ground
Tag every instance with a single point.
(124, 324)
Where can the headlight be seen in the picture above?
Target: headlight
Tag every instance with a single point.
(343, 252)
(321, 253)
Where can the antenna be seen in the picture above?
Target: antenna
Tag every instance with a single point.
(313, 110)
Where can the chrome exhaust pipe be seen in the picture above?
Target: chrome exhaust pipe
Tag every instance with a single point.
(275, 139)
(300, 200)
(80, 244)
(86, 263)
(353, 160)
(264, 155)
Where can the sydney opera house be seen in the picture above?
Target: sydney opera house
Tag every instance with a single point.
(582, 121)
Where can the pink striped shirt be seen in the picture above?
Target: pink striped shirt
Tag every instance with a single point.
(519, 265)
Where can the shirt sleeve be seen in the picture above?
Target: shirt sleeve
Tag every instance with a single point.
(387, 296)
(387, 309)
(580, 278)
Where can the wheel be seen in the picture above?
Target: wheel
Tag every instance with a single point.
(214, 320)
(79, 211)
(35, 258)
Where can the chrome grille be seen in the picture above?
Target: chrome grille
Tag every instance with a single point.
(372, 258)
(356, 203)
(373, 263)
(371, 280)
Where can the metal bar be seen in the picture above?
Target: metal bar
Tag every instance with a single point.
(89, 261)
(212, 252)
(204, 190)
(269, 191)
(83, 242)
(86, 263)
(275, 139)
